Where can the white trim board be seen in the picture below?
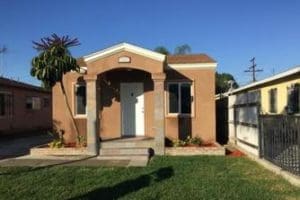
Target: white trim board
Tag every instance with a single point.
(124, 47)
(192, 65)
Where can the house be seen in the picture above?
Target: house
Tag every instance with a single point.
(24, 108)
(276, 95)
(129, 91)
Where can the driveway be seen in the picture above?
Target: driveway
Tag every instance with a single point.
(13, 147)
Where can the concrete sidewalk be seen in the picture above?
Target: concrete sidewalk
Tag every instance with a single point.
(48, 161)
(14, 147)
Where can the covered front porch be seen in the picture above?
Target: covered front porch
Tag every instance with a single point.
(125, 99)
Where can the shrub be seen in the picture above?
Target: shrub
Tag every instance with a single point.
(188, 141)
(194, 140)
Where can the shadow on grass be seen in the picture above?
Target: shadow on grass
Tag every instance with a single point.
(32, 169)
(128, 186)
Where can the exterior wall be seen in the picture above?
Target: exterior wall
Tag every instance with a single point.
(61, 118)
(202, 123)
(282, 94)
(23, 120)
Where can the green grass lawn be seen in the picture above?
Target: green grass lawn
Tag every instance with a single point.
(204, 177)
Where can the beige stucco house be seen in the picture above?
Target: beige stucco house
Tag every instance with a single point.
(129, 91)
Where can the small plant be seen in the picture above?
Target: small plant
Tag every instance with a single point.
(58, 140)
(189, 141)
(56, 143)
(81, 141)
(178, 143)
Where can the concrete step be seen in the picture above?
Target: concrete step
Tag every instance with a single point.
(127, 144)
(124, 151)
(133, 160)
(123, 157)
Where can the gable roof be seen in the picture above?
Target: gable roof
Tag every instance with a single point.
(18, 84)
(123, 47)
(191, 58)
(284, 74)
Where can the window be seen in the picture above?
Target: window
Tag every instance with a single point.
(293, 99)
(33, 103)
(273, 100)
(80, 99)
(6, 104)
(179, 98)
(46, 102)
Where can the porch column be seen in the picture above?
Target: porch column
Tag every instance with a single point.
(92, 122)
(159, 119)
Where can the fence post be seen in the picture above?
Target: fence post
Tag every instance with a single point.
(298, 135)
(261, 136)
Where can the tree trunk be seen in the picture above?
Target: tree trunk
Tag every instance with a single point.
(69, 109)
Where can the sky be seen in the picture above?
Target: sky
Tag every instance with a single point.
(231, 31)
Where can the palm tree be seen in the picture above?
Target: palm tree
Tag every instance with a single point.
(182, 49)
(162, 50)
(53, 61)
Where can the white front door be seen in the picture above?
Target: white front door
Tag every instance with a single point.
(132, 109)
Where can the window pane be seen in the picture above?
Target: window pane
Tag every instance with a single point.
(294, 99)
(273, 100)
(2, 105)
(29, 102)
(297, 98)
(46, 102)
(36, 103)
(80, 99)
(186, 98)
(173, 98)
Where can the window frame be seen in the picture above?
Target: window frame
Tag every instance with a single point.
(293, 87)
(32, 101)
(46, 102)
(179, 83)
(10, 112)
(74, 100)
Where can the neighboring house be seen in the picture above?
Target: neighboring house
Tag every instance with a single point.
(23, 108)
(129, 91)
(276, 95)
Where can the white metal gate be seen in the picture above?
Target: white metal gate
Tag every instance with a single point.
(243, 118)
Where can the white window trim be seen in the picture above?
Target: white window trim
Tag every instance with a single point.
(179, 82)
(75, 115)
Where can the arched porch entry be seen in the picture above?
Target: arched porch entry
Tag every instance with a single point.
(124, 61)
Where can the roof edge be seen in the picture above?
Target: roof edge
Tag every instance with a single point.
(284, 74)
(127, 47)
